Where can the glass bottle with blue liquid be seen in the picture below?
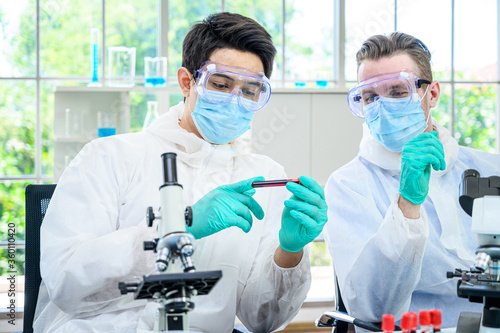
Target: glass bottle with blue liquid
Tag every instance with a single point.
(107, 122)
(155, 72)
(322, 76)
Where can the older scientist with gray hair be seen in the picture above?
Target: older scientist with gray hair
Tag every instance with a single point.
(395, 224)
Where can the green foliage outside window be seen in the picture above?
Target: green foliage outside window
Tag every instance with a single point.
(475, 116)
(319, 254)
(475, 112)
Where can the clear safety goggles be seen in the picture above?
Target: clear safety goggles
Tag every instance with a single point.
(221, 84)
(401, 86)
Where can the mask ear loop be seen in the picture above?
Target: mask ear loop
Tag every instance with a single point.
(421, 98)
(429, 114)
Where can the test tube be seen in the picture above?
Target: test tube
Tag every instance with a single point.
(414, 322)
(405, 323)
(152, 114)
(94, 57)
(67, 122)
(273, 183)
(388, 323)
(424, 318)
(409, 322)
(436, 320)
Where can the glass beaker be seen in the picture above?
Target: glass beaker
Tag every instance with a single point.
(73, 123)
(155, 72)
(107, 122)
(121, 66)
(300, 83)
(322, 78)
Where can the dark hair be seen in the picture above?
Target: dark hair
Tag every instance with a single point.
(227, 30)
(379, 46)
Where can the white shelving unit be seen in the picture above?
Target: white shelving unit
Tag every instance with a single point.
(78, 126)
(72, 132)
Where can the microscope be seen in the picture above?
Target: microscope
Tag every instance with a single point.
(480, 198)
(172, 291)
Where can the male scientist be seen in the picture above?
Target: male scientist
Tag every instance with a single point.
(396, 226)
(92, 236)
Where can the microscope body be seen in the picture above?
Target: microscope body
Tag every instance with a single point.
(480, 198)
(172, 291)
(174, 242)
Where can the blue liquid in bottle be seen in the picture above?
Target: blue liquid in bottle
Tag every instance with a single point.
(155, 82)
(321, 84)
(106, 131)
(300, 85)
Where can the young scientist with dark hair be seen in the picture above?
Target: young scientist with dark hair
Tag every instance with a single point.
(95, 226)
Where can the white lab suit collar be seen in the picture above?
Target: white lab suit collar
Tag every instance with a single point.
(192, 149)
(371, 150)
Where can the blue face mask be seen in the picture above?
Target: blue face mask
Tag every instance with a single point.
(394, 125)
(221, 123)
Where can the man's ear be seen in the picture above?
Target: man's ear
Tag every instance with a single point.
(434, 91)
(184, 77)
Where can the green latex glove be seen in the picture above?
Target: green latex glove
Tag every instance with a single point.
(304, 215)
(416, 159)
(224, 207)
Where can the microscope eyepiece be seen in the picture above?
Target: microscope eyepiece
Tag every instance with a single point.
(470, 173)
(474, 186)
(169, 168)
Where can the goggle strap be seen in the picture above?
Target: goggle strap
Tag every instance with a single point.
(420, 82)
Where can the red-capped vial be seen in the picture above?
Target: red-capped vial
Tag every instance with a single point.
(424, 318)
(388, 323)
(413, 321)
(409, 322)
(436, 320)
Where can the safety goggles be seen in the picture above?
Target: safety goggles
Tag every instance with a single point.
(401, 86)
(221, 84)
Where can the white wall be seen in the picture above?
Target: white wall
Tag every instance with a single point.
(309, 132)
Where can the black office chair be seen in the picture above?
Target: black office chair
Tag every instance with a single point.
(327, 320)
(37, 198)
(340, 319)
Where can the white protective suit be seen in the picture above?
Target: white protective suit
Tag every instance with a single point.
(386, 263)
(92, 237)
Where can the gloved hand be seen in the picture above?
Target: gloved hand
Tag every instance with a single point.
(416, 159)
(304, 215)
(225, 206)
